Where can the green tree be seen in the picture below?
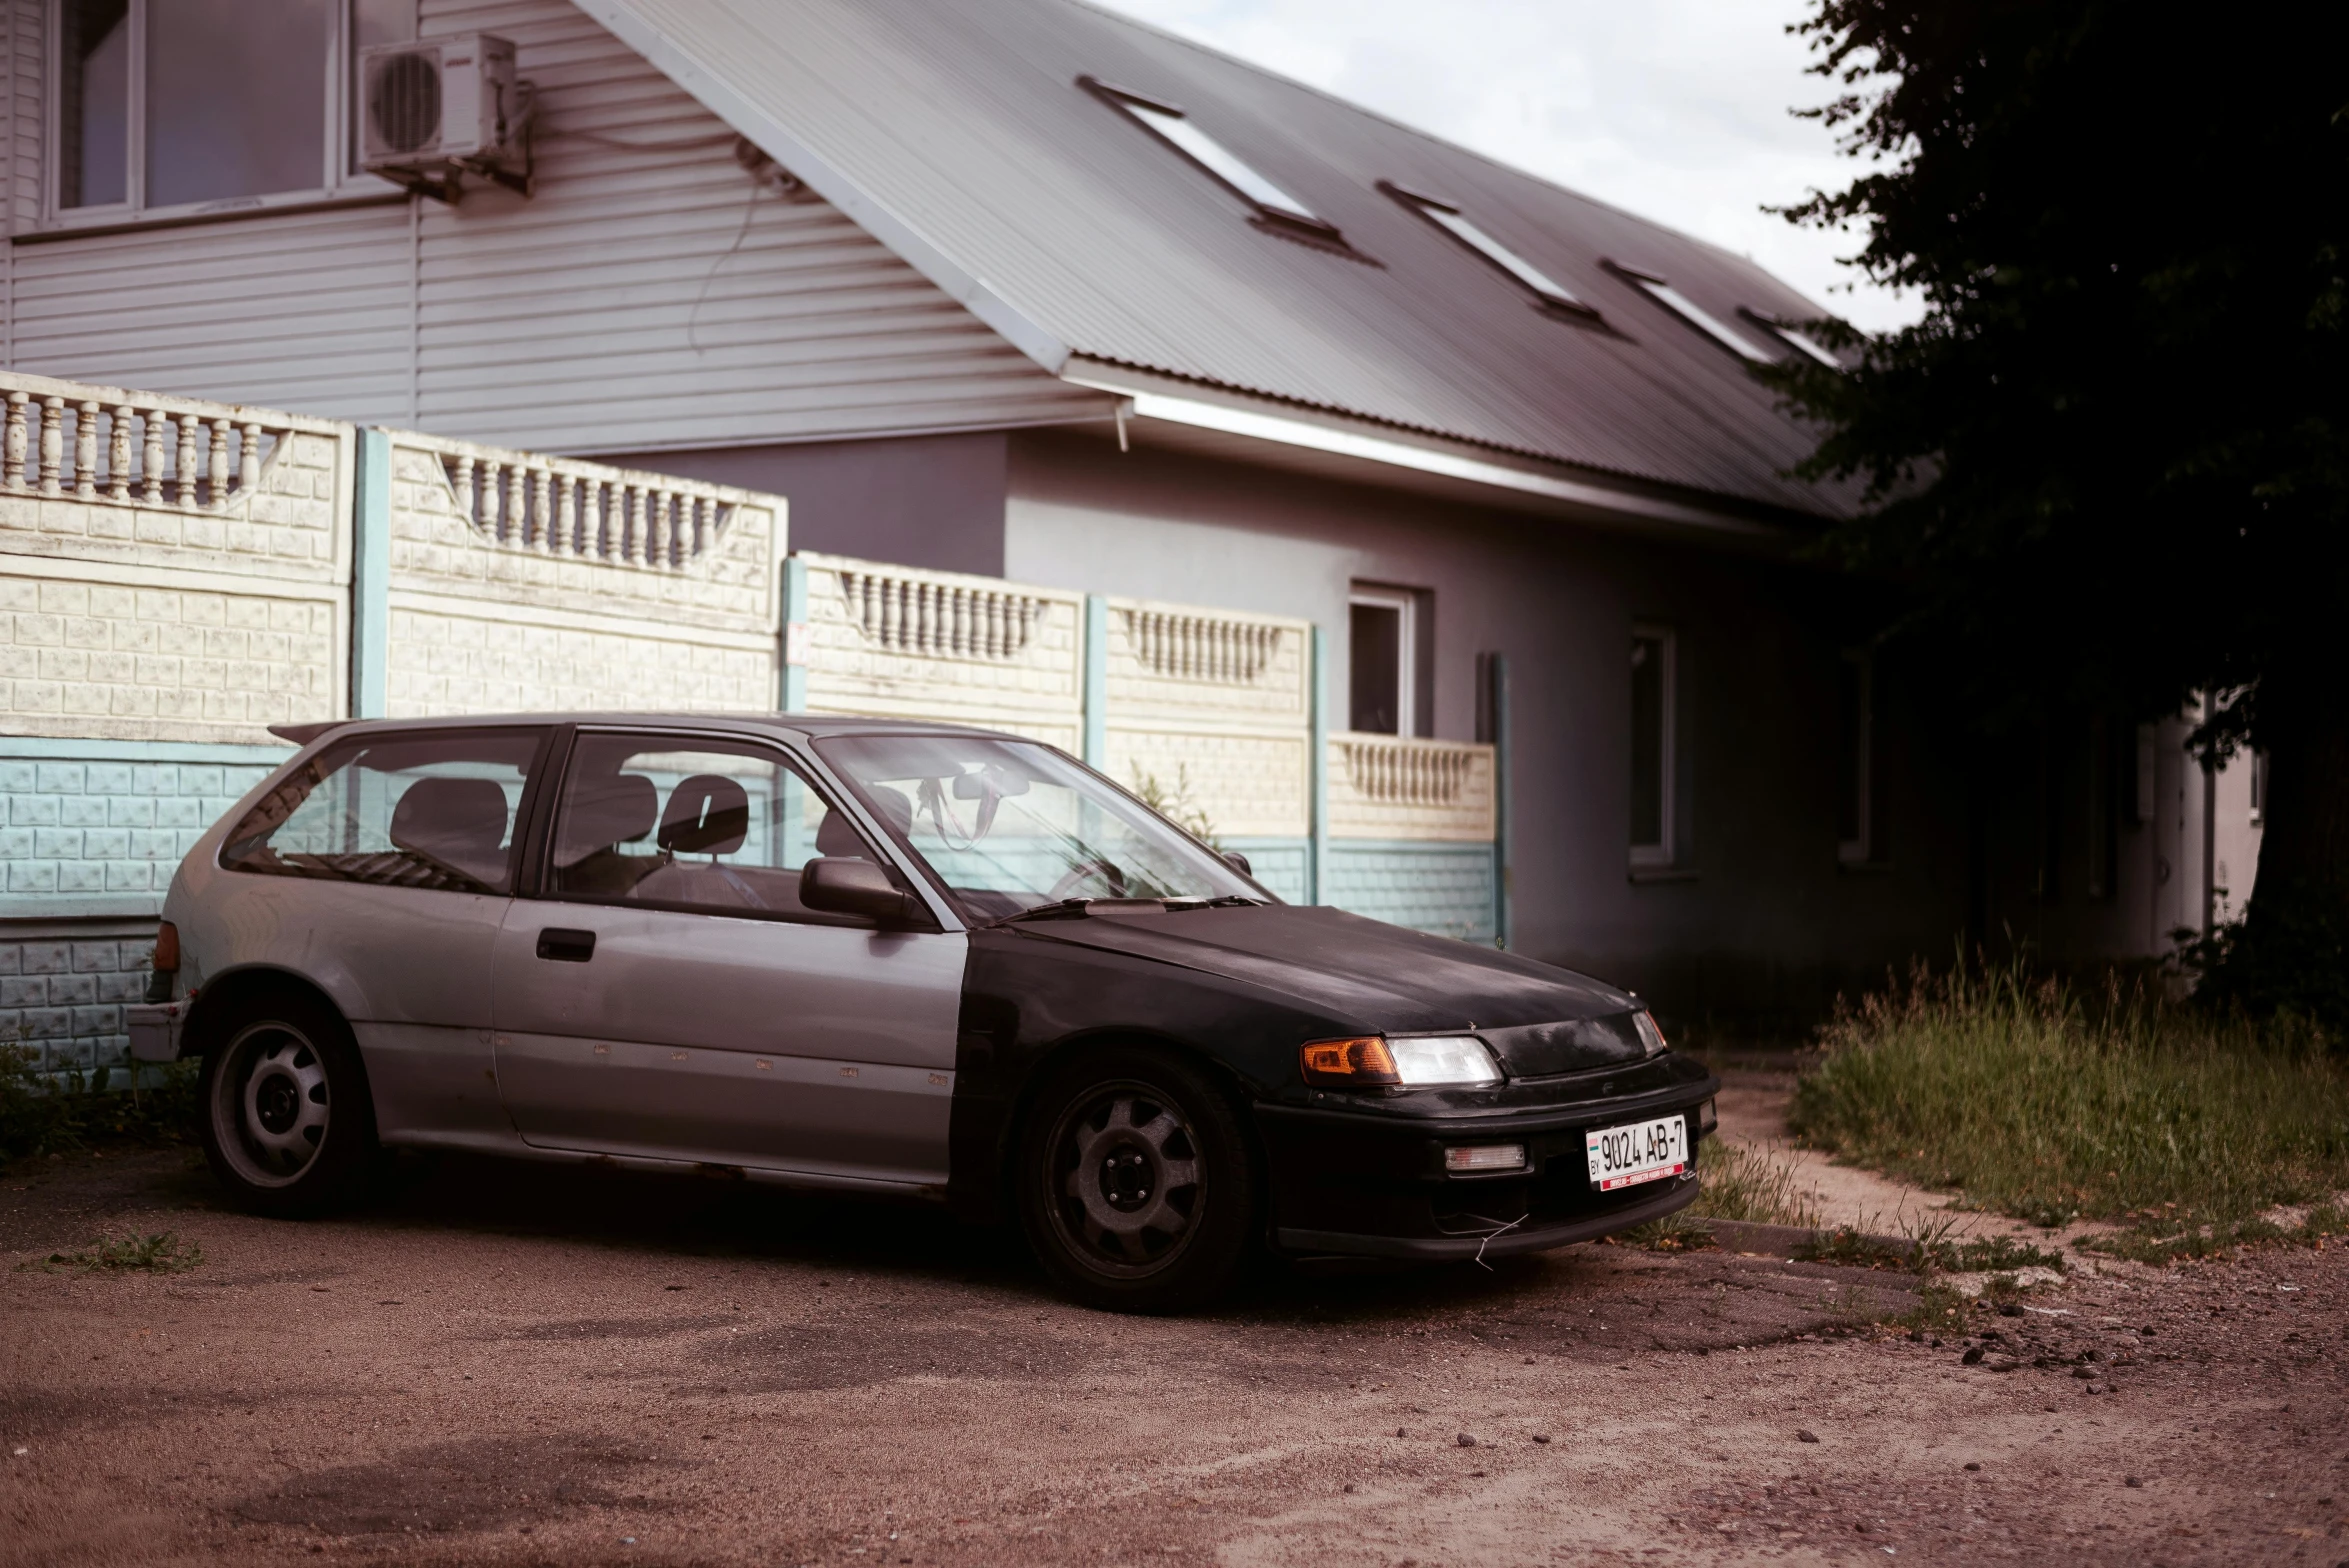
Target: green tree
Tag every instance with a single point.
(2113, 458)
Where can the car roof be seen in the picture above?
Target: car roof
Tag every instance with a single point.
(802, 726)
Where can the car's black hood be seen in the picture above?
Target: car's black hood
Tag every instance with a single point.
(1369, 976)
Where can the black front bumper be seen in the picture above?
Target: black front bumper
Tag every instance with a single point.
(1371, 1182)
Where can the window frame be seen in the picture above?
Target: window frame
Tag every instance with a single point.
(1405, 602)
(1793, 336)
(538, 882)
(1548, 294)
(1664, 854)
(1691, 314)
(341, 183)
(1296, 221)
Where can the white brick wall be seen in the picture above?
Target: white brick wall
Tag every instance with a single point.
(851, 669)
(444, 662)
(435, 549)
(158, 662)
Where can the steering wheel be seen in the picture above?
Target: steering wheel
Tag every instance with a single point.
(1106, 870)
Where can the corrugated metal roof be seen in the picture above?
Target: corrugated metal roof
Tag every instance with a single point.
(955, 130)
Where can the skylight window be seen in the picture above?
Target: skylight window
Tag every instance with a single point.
(1798, 339)
(1695, 315)
(1463, 228)
(1185, 135)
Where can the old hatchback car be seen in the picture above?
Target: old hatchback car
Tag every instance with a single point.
(886, 957)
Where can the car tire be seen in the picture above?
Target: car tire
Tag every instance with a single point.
(1136, 1185)
(288, 1124)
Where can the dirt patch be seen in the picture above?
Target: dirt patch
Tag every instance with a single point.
(442, 1488)
(607, 1328)
(794, 1358)
(677, 1376)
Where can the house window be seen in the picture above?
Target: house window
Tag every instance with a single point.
(1856, 825)
(1274, 206)
(1691, 312)
(2258, 788)
(178, 106)
(1654, 705)
(1383, 651)
(1546, 289)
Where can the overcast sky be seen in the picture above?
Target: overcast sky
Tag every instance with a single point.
(1675, 109)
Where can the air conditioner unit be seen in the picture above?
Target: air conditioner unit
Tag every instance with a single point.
(440, 108)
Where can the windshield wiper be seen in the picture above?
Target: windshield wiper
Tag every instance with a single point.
(1058, 909)
(1222, 901)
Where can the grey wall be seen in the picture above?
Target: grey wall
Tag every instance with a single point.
(934, 501)
(1759, 916)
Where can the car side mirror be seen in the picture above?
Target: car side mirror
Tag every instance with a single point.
(840, 885)
(1238, 862)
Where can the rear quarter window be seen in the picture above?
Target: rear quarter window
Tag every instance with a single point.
(426, 811)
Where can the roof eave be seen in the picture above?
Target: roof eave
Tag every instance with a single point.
(1506, 479)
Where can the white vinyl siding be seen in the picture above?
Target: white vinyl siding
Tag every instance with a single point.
(567, 321)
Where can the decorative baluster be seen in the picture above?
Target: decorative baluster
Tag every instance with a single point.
(889, 613)
(85, 450)
(631, 525)
(52, 442)
(118, 454)
(514, 515)
(184, 470)
(153, 458)
(563, 540)
(664, 506)
(17, 442)
(222, 433)
(461, 486)
(705, 523)
(249, 460)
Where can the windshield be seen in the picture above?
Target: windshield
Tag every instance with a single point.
(1010, 825)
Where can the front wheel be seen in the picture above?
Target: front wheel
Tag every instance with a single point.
(289, 1127)
(1136, 1189)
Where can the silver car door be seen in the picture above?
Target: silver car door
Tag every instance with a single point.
(382, 869)
(668, 996)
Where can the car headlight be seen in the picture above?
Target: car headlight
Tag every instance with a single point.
(1434, 1060)
(1649, 1035)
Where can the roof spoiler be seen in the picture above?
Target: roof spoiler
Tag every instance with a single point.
(304, 734)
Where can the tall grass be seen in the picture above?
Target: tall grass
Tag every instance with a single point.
(2041, 1101)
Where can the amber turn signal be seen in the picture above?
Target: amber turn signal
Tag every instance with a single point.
(1349, 1064)
(167, 948)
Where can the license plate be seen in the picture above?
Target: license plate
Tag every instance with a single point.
(1644, 1151)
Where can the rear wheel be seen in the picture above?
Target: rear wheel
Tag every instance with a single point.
(289, 1127)
(1135, 1184)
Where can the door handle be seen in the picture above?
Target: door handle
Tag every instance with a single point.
(566, 947)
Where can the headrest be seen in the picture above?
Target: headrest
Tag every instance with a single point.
(837, 836)
(606, 811)
(708, 814)
(458, 822)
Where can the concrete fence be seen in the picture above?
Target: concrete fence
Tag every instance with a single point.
(176, 576)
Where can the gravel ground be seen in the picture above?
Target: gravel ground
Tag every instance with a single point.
(505, 1365)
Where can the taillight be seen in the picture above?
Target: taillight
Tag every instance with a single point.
(167, 949)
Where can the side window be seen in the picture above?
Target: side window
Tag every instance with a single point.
(429, 811)
(712, 826)
(1654, 724)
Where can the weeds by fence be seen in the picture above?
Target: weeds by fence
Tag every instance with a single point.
(2048, 1103)
(49, 1113)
